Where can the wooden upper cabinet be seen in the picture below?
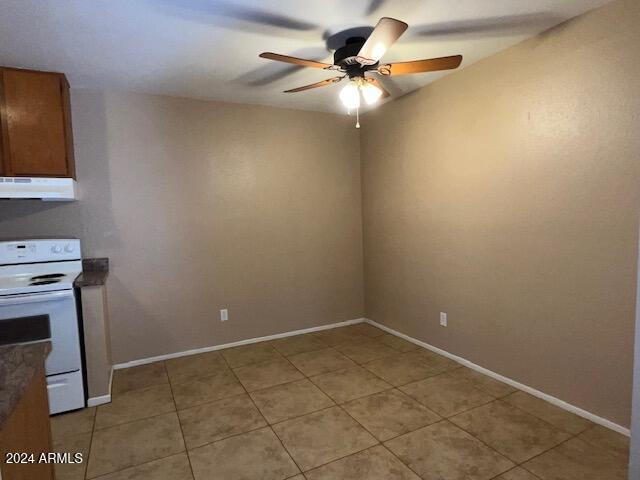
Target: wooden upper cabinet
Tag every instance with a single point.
(35, 120)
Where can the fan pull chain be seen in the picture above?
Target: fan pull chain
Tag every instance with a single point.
(358, 117)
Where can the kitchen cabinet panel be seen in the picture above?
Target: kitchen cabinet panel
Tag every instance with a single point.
(35, 118)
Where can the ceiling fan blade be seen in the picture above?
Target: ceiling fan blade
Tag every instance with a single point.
(489, 27)
(323, 83)
(374, 5)
(378, 83)
(419, 66)
(296, 61)
(215, 10)
(387, 31)
(259, 16)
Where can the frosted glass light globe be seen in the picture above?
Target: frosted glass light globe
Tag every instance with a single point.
(371, 93)
(350, 96)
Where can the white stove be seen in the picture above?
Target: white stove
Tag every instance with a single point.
(38, 302)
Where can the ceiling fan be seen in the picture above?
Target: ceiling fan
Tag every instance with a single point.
(359, 56)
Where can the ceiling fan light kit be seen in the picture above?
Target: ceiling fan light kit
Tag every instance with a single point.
(370, 93)
(350, 96)
(360, 56)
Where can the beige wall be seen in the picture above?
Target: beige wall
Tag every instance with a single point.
(507, 195)
(202, 206)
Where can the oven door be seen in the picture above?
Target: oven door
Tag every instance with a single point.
(60, 306)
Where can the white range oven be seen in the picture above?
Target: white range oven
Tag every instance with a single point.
(38, 302)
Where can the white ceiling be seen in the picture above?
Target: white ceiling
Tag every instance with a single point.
(209, 48)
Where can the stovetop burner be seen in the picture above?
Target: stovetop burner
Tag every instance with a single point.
(44, 282)
(47, 276)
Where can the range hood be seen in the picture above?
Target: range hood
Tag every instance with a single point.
(51, 189)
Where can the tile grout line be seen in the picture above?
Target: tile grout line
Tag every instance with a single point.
(608, 424)
(93, 429)
(515, 467)
(131, 421)
(497, 399)
(303, 415)
(338, 405)
(239, 343)
(98, 429)
(135, 466)
(515, 462)
(184, 440)
(502, 399)
(378, 442)
(572, 437)
(233, 435)
(549, 425)
(268, 425)
(445, 372)
(494, 399)
(391, 387)
(493, 449)
(341, 458)
(170, 384)
(153, 416)
(310, 378)
(443, 418)
(273, 342)
(134, 420)
(440, 417)
(361, 365)
(231, 370)
(317, 411)
(322, 373)
(521, 464)
(333, 406)
(399, 459)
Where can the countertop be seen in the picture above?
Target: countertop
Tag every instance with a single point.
(94, 273)
(18, 364)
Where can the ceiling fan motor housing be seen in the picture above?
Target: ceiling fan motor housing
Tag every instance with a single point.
(345, 57)
(357, 51)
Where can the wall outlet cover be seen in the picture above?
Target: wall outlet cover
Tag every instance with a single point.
(443, 319)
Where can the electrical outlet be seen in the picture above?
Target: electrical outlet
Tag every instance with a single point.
(443, 319)
(224, 315)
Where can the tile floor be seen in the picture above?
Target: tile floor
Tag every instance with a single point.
(348, 403)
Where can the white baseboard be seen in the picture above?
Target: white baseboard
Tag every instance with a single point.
(102, 399)
(532, 391)
(168, 356)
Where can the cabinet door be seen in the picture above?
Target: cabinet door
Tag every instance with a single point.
(34, 123)
(28, 430)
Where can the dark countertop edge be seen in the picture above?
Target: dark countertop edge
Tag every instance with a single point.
(18, 364)
(94, 273)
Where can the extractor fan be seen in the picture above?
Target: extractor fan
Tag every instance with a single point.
(360, 56)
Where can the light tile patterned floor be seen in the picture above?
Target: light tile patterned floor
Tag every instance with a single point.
(348, 403)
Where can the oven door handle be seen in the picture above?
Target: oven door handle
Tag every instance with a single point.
(35, 297)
